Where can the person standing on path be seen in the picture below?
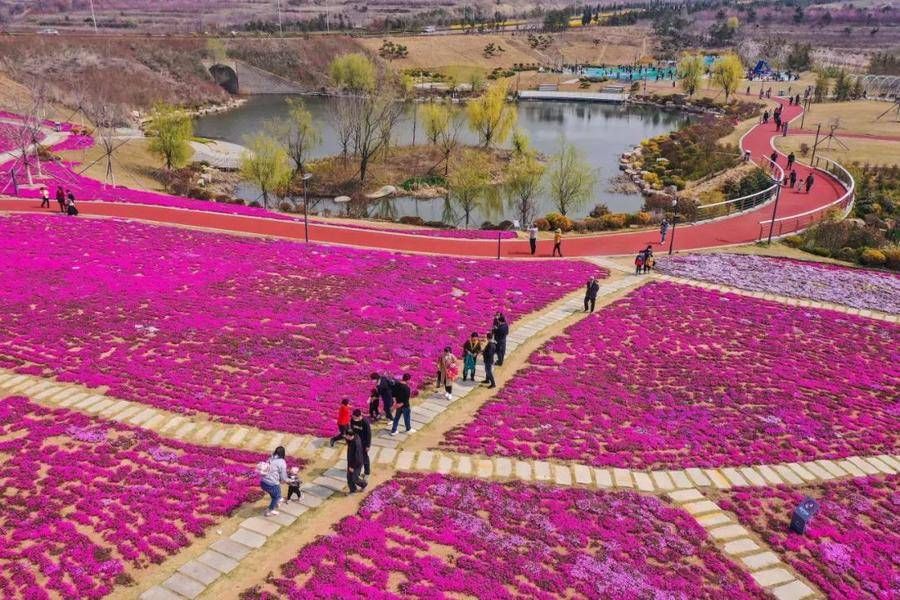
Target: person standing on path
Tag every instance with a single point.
(532, 238)
(363, 431)
(343, 420)
(765, 114)
(385, 386)
(557, 243)
(793, 178)
(355, 461)
(774, 158)
(402, 394)
(61, 199)
(663, 230)
(71, 210)
(448, 371)
(487, 355)
(790, 160)
(784, 129)
(500, 332)
(809, 182)
(45, 197)
(590, 294)
(471, 349)
(274, 473)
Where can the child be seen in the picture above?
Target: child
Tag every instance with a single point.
(343, 420)
(638, 263)
(293, 484)
(648, 264)
(374, 401)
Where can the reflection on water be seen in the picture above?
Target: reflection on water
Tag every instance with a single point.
(601, 131)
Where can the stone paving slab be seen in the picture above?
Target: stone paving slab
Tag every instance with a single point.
(795, 590)
(219, 562)
(248, 538)
(199, 571)
(185, 586)
(231, 549)
(159, 593)
(260, 525)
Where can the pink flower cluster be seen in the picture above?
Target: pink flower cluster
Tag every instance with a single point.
(87, 502)
(859, 288)
(432, 536)
(675, 376)
(262, 332)
(851, 546)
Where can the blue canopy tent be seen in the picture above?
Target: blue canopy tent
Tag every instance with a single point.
(762, 69)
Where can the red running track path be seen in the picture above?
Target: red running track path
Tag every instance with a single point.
(739, 229)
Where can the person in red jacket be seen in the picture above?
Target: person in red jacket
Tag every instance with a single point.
(343, 420)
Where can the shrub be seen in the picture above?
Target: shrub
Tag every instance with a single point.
(599, 210)
(872, 257)
(819, 251)
(579, 225)
(794, 241)
(487, 225)
(286, 207)
(848, 254)
(505, 225)
(593, 224)
(438, 224)
(559, 221)
(614, 220)
(199, 193)
(542, 224)
(412, 220)
(892, 256)
(642, 218)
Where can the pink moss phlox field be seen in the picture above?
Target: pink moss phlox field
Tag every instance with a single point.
(676, 376)
(86, 501)
(850, 547)
(859, 288)
(442, 537)
(267, 333)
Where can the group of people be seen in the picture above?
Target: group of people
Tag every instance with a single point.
(557, 240)
(65, 199)
(644, 261)
(780, 124)
(790, 179)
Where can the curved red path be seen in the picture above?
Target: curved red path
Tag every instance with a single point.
(739, 229)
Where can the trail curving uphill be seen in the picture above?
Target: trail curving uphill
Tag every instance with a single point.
(796, 210)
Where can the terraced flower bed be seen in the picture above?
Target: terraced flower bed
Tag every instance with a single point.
(858, 288)
(267, 333)
(675, 376)
(87, 503)
(851, 546)
(432, 536)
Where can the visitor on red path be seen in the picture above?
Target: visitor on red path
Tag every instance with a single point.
(663, 230)
(793, 178)
(809, 182)
(557, 243)
(765, 114)
(61, 199)
(790, 160)
(273, 473)
(402, 395)
(343, 420)
(45, 197)
(774, 157)
(355, 461)
(532, 238)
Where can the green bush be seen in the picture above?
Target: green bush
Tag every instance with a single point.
(848, 254)
(872, 257)
(794, 241)
(892, 256)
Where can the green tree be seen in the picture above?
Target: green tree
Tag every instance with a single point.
(297, 134)
(842, 86)
(690, 72)
(436, 120)
(468, 182)
(822, 87)
(491, 116)
(524, 182)
(354, 72)
(727, 73)
(170, 131)
(266, 164)
(571, 179)
(799, 58)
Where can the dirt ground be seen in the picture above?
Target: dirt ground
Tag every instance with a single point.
(133, 164)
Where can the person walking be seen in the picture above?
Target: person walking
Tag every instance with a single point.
(663, 230)
(448, 371)
(45, 197)
(532, 238)
(273, 473)
(487, 355)
(363, 431)
(557, 243)
(590, 294)
(61, 199)
(384, 385)
(639, 263)
(809, 182)
(343, 420)
(500, 332)
(402, 394)
(765, 117)
(355, 462)
(792, 179)
(784, 129)
(471, 349)
(790, 160)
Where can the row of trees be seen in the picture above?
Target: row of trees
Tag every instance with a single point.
(726, 73)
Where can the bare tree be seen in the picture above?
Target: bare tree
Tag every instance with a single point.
(376, 116)
(341, 114)
(32, 108)
(106, 116)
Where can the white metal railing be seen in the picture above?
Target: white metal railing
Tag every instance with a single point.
(748, 202)
(800, 221)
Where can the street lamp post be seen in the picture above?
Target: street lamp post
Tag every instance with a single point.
(774, 211)
(674, 223)
(306, 177)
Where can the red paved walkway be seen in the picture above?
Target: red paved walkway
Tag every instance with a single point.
(743, 228)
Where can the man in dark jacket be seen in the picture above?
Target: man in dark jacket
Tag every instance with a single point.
(384, 385)
(364, 432)
(500, 331)
(402, 395)
(590, 293)
(487, 354)
(355, 461)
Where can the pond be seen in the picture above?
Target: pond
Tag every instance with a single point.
(602, 132)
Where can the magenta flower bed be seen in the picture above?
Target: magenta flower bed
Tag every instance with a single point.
(431, 536)
(859, 288)
(267, 333)
(676, 376)
(851, 546)
(88, 502)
